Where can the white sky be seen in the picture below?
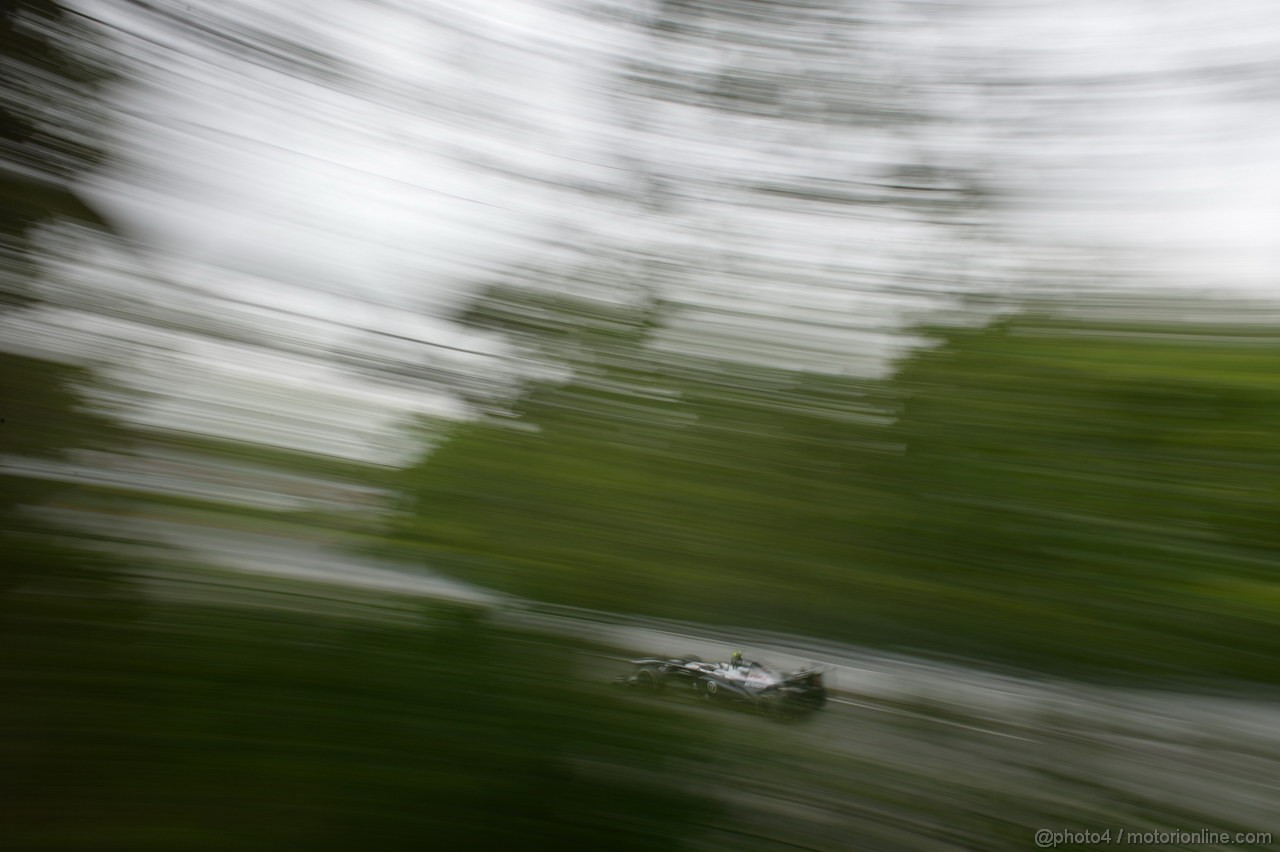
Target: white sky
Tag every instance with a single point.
(393, 192)
(1181, 165)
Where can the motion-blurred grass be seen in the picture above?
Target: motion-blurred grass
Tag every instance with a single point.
(198, 726)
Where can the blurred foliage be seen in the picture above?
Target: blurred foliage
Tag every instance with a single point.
(132, 723)
(1092, 494)
(49, 130)
(207, 727)
(45, 416)
(268, 456)
(49, 135)
(53, 73)
(1104, 491)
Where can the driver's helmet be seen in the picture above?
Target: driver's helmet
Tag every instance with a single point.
(736, 659)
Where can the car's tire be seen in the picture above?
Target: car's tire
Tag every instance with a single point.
(709, 690)
(769, 705)
(648, 680)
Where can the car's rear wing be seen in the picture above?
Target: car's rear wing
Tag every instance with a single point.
(812, 676)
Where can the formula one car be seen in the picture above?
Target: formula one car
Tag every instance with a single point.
(741, 682)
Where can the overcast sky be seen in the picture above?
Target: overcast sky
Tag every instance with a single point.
(455, 140)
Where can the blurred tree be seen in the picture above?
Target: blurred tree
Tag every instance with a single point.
(205, 727)
(49, 129)
(49, 126)
(65, 609)
(628, 471)
(645, 481)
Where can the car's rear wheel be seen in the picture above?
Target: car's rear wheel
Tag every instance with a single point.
(771, 706)
(647, 679)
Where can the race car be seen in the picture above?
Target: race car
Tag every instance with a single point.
(742, 682)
